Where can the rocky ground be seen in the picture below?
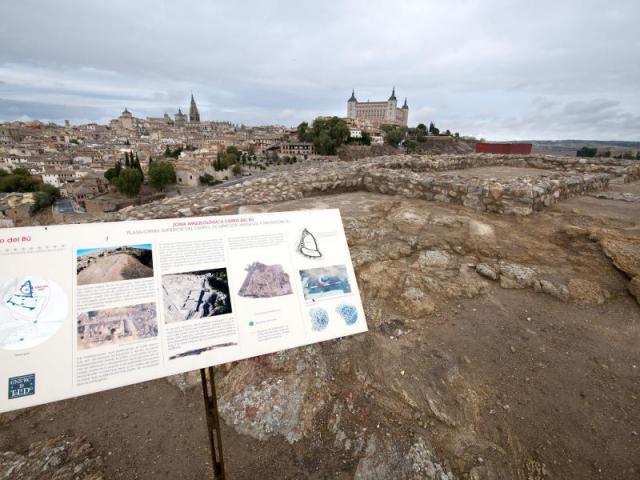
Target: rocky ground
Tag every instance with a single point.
(114, 265)
(499, 346)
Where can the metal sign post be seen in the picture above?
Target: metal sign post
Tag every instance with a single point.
(213, 422)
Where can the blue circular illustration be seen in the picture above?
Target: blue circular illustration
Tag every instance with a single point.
(348, 312)
(319, 319)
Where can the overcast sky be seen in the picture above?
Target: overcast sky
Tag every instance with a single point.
(499, 69)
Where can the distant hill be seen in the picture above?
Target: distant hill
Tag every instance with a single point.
(570, 147)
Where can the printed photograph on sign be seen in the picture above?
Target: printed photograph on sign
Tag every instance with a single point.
(113, 264)
(325, 282)
(118, 325)
(32, 309)
(199, 294)
(198, 351)
(264, 281)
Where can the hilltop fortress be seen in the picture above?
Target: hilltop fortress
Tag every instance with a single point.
(378, 113)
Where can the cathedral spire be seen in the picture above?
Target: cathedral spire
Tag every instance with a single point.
(194, 115)
(353, 96)
(393, 95)
(405, 104)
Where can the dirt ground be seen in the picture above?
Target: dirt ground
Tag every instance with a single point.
(504, 381)
(562, 383)
(498, 172)
(114, 268)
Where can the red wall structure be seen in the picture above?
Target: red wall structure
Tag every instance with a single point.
(505, 148)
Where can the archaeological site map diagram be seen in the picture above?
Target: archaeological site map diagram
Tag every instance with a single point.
(91, 307)
(32, 310)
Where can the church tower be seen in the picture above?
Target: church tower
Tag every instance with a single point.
(194, 115)
(351, 105)
(405, 113)
(392, 104)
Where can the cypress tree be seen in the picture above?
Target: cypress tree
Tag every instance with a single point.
(138, 166)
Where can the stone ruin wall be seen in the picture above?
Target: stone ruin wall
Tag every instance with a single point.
(518, 196)
(412, 176)
(628, 169)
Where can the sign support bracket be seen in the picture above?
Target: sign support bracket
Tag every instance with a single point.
(213, 422)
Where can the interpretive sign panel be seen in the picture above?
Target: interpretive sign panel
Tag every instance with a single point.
(85, 308)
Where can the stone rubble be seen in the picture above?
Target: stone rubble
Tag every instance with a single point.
(384, 458)
(411, 176)
(55, 459)
(288, 392)
(512, 275)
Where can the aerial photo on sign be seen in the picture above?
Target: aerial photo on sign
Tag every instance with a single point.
(112, 264)
(115, 326)
(325, 282)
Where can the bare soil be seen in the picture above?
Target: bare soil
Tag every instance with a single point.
(113, 268)
(560, 382)
(505, 383)
(500, 173)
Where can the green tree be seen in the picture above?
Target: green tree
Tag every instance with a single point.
(21, 171)
(173, 153)
(22, 182)
(207, 179)
(410, 146)
(587, 152)
(236, 170)
(129, 182)
(233, 151)
(326, 134)
(422, 126)
(161, 174)
(111, 175)
(18, 183)
(136, 164)
(393, 134)
(303, 129)
(45, 196)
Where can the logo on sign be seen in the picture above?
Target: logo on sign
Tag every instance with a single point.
(22, 386)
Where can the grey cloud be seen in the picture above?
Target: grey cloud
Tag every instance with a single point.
(476, 66)
(590, 107)
(11, 110)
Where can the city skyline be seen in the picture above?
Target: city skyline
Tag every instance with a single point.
(517, 72)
